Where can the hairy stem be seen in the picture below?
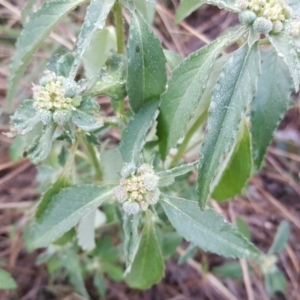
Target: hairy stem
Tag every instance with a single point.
(187, 139)
(93, 158)
(67, 171)
(117, 10)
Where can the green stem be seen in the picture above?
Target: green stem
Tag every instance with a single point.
(117, 10)
(70, 162)
(187, 139)
(93, 157)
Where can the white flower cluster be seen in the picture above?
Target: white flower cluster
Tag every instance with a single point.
(51, 94)
(138, 189)
(265, 15)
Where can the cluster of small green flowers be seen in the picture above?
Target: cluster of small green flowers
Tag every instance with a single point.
(51, 94)
(138, 188)
(268, 263)
(265, 15)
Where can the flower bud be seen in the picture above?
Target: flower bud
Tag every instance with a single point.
(71, 88)
(145, 168)
(247, 17)
(131, 208)
(120, 193)
(150, 181)
(277, 27)
(153, 196)
(287, 12)
(128, 169)
(76, 101)
(243, 4)
(262, 25)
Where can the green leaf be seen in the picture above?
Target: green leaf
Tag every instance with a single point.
(87, 116)
(134, 135)
(62, 182)
(229, 270)
(111, 79)
(207, 229)
(103, 43)
(147, 9)
(94, 20)
(275, 281)
(59, 216)
(72, 265)
(6, 281)
(243, 228)
(111, 163)
(113, 271)
(167, 177)
(269, 104)
(170, 241)
(33, 35)
(281, 238)
(86, 232)
(25, 118)
(131, 241)
(238, 169)
(99, 283)
(66, 238)
(231, 97)
(146, 64)
(226, 4)
(185, 89)
(189, 253)
(27, 9)
(148, 265)
(41, 146)
(283, 45)
(173, 59)
(61, 66)
(186, 7)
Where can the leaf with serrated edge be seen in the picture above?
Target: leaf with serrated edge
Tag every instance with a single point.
(186, 7)
(27, 10)
(146, 64)
(231, 96)
(131, 239)
(167, 177)
(94, 20)
(284, 47)
(148, 265)
(238, 169)
(134, 135)
(41, 146)
(33, 35)
(207, 229)
(226, 4)
(63, 181)
(59, 216)
(269, 104)
(185, 89)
